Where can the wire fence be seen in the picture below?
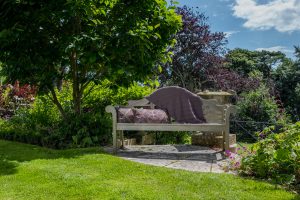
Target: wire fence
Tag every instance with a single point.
(247, 131)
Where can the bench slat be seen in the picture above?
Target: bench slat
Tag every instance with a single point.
(170, 127)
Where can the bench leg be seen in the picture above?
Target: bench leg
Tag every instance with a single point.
(122, 138)
(226, 140)
(115, 145)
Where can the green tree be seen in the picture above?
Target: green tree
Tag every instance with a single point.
(258, 105)
(245, 61)
(83, 41)
(287, 82)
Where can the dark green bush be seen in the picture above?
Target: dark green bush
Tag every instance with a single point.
(277, 157)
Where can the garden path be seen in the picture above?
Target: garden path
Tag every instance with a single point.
(187, 157)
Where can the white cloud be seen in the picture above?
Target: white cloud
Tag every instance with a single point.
(282, 15)
(276, 48)
(230, 33)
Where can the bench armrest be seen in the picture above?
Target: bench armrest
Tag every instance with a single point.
(113, 111)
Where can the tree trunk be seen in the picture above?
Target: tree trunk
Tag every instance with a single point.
(77, 94)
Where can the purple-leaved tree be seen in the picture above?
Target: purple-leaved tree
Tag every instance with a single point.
(197, 50)
(226, 79)
(198, 60)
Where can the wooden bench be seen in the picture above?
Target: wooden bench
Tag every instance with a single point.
(217, 117)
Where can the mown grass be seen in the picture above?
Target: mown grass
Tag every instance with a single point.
(31, 172)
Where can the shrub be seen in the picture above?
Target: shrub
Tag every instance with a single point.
(42, 124)
(277, 157)
(258, 105)
(13, 97)
(33, 125)
(256, 110)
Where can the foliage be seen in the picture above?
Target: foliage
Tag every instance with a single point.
(233, 161)
(258, 105)
(276, 157)
(226, 80)
(245, 61)
(32, 172)
(197, 50)
(83, 41)
(108, 94)
(13, 97)
(287, 79)
(43, 125)
(257, 109)
(173, 138)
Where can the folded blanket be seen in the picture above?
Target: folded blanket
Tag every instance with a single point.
(181, 104)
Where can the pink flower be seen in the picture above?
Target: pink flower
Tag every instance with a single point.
(227, 153)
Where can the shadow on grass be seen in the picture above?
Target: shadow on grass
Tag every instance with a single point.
(13, 152)
(7, 167)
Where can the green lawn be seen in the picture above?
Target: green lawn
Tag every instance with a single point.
(31, 172)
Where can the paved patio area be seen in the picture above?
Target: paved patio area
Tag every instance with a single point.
(187, 157)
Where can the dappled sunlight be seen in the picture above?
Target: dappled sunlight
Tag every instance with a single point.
(12, 151)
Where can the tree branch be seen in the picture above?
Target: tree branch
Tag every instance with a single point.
(55, 100)
(89, 92)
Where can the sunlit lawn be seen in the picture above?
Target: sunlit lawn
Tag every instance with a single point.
(31, 172)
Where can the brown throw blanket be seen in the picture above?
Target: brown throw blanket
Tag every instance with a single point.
(181, 104)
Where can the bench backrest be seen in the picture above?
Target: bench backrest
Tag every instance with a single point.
(213, 112)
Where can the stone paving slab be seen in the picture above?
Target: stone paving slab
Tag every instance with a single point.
(186, 157)
(192, 165)
(155, 162)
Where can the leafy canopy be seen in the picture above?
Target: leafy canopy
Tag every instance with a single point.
(44, 42)
(197, 50)
(245, 61)
(287, 82)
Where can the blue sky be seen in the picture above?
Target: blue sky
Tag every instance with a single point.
(254, 24)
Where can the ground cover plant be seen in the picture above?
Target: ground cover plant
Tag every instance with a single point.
(276, 156)
(31, 172)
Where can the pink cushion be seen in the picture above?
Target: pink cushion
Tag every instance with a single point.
(125, 115)
(150, 116)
